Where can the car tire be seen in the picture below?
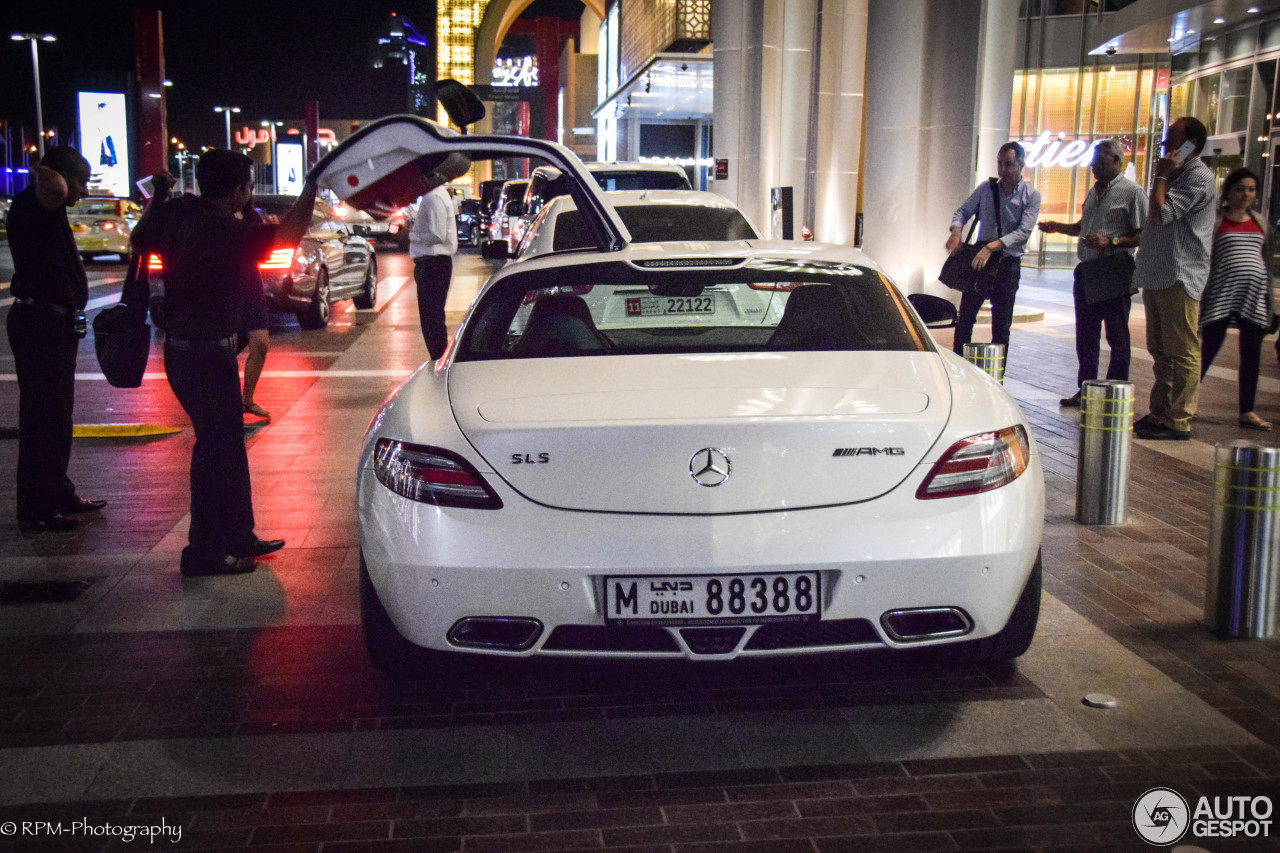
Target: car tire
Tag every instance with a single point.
(368, 295)
(388, 649)
(1014, 638)
(316, 315)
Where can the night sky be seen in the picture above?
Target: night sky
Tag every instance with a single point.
(268, 58)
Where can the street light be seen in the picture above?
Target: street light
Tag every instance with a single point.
(275, 168)
(35, 68)
(181, 154)
(226, 114)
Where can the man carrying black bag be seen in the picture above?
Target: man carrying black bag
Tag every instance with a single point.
(205, 244)
(1111, 222)
(45, 326)
(1003, 233)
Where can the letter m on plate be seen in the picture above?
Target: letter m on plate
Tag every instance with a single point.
(623, 598)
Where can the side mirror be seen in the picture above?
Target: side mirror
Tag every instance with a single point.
(460, 103)
(936, 312)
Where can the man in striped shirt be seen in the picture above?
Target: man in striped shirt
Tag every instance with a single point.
(1172, 270)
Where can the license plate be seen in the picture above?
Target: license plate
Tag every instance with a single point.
(713, 599)
(659, 306)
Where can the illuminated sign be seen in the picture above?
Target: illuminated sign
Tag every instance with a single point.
(705, 162)
(1049, 150)
(248, 137)
(516, 71)
(289, 168)
(104, 141)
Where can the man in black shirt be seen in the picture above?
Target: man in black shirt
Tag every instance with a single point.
(49, 290)
(206, 244)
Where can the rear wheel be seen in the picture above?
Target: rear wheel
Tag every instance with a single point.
(1014, 638)
(368, 295)
(316, 315)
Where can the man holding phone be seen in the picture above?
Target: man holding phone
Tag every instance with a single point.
(1172, 270)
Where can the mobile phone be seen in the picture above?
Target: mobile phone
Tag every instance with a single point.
(1184, 151)
(146, 186)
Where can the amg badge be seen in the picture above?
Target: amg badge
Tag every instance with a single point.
(870, 451)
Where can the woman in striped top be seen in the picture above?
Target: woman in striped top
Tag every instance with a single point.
(1239, 289)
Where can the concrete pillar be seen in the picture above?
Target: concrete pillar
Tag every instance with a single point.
(939, 78)
(837, 143)
(764, 69)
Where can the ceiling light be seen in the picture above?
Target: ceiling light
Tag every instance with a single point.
(1219, 20)
(1252, 10)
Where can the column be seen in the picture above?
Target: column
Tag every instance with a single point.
(939, 83)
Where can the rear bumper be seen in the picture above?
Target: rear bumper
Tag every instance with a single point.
(433, 567)
(283, 293)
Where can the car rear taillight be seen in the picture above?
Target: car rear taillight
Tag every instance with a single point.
(978, 463)
(279, 259)
(431, 475)
(154, 264)
(107, 225)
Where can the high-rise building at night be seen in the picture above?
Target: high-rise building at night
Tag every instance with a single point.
(403, 76)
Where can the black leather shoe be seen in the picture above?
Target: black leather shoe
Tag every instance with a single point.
(79, 504)
(258, 547)
(48, 523)
(228, 565)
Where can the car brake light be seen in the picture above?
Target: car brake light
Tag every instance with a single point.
(154, 263)
(107, 225)
(977, 464)
(431, 475)
(771, 286)
(279, 259)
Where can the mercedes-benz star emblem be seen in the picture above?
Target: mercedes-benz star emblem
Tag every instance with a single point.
(710, 466)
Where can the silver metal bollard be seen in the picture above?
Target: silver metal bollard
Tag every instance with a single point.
(1102, 463)
(1243, 580)
(989, 357)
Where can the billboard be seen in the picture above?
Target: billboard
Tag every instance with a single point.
(289, 168)
(104, 141)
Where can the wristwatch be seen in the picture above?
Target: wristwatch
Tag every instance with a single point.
(1115, 241)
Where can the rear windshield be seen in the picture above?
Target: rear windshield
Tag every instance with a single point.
(643, 180)
(659, 223)
(614, 309)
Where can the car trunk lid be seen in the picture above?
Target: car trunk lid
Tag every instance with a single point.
(694, 434)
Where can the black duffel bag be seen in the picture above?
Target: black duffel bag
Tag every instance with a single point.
(121, 336)
(958, 272)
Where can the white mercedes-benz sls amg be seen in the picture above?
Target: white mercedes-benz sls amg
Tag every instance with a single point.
(685, 450)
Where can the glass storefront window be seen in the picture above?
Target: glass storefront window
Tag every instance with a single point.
(1116, 103)
(1058, 104)
(1233, 106)
(1208, 94)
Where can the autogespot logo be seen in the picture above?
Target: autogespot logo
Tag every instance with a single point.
(1161, 816)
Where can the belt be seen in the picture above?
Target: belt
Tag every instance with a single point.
(227, 343)
(41, 303)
